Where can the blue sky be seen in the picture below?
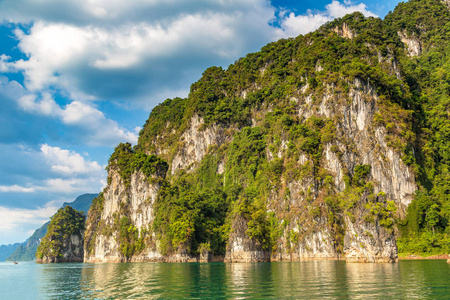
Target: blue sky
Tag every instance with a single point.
(77, 77)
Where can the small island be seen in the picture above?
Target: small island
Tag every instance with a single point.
(64, 239)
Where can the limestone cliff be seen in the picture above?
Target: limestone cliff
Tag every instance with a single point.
(308, 149)
(119, 226)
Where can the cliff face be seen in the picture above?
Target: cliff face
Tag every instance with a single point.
(357, 141)
(72, 251)
(308, 149)
(135, 203)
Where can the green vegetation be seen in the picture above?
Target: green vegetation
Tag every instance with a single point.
(65, 223)
(127, 161)
(27, 250)
(188, 219)
(269, 106)
(426, 230)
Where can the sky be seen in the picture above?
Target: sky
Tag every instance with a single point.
(77, 77)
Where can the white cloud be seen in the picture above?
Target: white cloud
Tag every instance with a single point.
(12, 217)
(16, 189)
(18, 224)
(72, 185)
(102, 131)
(95, 182)
(5, 64)
(69, 162)
(338, 10)
(52, 170)
(135, 59)
(293, 25)
(99, 130)
(138, 51)
(45, 106)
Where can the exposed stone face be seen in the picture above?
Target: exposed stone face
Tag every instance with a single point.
(345, 31)
(73, 251)
(412, 43)
(241, 248)
(390, 173)
(195, 142)
(362, 241)
(139, 198)
(366, 242)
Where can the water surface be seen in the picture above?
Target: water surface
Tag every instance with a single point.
(426, 279)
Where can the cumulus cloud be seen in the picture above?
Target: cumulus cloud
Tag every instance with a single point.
(16, 188)
(98, 130)
(61, 171)
(83, 119)
(60, 185)
(111, 12)
(5, 64)
(75, 186)
(12, 217)
(293, 25)
(68, 162)
(111, 56)
(338, 10)
(46, 106)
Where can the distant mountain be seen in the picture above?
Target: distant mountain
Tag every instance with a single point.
(6, 250)
(26, 251)
(82, 203)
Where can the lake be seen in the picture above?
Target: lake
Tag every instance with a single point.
(421, 279)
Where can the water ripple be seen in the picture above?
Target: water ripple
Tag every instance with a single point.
(289, 280)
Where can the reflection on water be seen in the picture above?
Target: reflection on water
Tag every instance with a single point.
(284, 280)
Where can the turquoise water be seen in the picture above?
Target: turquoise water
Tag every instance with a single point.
(427, 279)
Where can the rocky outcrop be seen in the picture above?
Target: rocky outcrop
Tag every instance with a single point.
(358, 142)
(72, 251)
(412, 43)
(345, 32)
(368, 143)
(134, 202)
(366, 242)
(241, 248)
(195, 142)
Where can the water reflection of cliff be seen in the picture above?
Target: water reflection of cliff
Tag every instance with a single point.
(282, 280)
(154, 280)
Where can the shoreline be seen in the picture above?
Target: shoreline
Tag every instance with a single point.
(418, 257)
